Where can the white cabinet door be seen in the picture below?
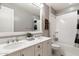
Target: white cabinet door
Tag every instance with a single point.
(14, 54)
(24, 52)
(27, 51)
(47, 48)
(38, 53)
(38, 49)
(41, 49)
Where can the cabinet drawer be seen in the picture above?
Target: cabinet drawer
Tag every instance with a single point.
(47, 49)
(38, 53)
(28, 51)
(38, 47)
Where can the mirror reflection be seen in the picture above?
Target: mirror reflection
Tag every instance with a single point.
(19, 17)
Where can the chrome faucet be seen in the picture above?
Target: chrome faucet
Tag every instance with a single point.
(9, 41)
(13, 40)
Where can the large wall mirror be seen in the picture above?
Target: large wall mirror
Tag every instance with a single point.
(20, 17)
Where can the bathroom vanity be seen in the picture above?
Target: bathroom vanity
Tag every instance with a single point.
(19, 22)
(41, 46)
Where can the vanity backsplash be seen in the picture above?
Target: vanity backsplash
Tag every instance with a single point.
(9, 37)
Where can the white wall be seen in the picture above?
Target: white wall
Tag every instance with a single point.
(6, 19)
(52, 21)
(66, 27)
(45, 15)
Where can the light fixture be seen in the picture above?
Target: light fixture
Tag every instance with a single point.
(37, 4)
(42, 5)
(70, 3)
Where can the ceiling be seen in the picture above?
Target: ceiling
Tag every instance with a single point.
(60, 6)
(36, 10)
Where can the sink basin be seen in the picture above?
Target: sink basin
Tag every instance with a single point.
(30, 39)
(14, 45)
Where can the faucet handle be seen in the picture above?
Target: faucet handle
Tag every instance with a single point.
(8, 41)
(17, 39)
(13, 40)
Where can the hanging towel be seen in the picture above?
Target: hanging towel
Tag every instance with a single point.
(77, 38)
(77, 26)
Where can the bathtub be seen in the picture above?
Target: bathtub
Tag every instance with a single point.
(68, 49)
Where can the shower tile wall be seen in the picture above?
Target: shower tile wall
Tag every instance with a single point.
(66, 27)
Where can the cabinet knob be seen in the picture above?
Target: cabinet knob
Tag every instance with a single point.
(39, 55)
(39, 46)
(22, 54)
(47, 42)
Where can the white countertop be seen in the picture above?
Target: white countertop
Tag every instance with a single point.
(25, 44)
